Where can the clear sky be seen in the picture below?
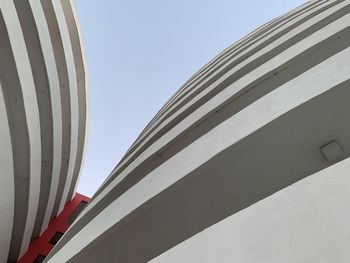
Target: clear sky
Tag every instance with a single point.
(140, 52)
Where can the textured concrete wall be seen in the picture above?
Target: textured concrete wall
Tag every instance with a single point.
(43, 117)
(306, 222)
(264, 115)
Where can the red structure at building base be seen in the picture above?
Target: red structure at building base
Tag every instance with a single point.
(41, 246)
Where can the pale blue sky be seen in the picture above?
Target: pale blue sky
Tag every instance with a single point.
(140, 52)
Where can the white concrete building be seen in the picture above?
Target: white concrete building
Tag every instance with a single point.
(42, 117)
(247, 162)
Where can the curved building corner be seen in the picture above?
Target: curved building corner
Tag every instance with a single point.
(43, 111)
(247, 162)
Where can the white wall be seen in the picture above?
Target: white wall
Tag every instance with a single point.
(306, 222)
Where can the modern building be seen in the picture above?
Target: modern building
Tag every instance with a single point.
(248, 162)
(42, 118)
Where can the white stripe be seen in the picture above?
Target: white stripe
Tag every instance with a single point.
(55, 95)
(301, 89)
(83, 90)
(67, 46)
(31, 110)
(7, 185)
(305, 222)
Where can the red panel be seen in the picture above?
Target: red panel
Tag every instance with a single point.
(41, 245)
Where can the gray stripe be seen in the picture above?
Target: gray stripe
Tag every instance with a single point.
(79, 66)
(36, 59)
(65, 96)
(19, 136)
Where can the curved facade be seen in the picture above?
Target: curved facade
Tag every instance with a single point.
(247, 162)
(43, 117)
